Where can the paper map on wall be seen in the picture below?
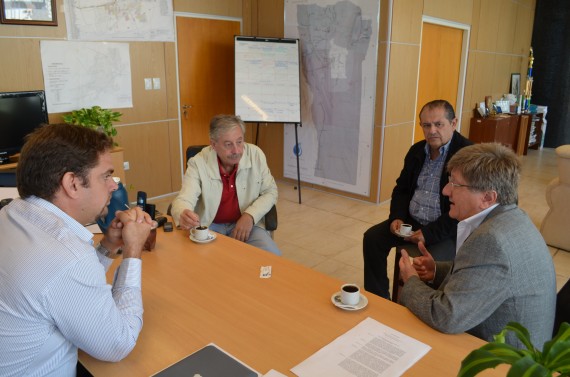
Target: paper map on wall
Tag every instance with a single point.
(84, 74)
(124, 20)
(338, 86)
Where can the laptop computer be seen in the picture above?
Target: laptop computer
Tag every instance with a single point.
(210, 361)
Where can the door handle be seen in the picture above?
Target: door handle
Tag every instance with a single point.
(185, 110)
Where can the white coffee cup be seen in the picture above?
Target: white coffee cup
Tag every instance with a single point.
(200, 233)
(405, 229)
(349, 294)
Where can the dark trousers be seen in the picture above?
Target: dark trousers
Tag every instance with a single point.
(377, 243)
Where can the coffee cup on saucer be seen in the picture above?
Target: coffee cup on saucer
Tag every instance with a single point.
(349, 294)
(405, 229)
(200, 233)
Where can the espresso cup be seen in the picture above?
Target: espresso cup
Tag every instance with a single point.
(200, 232)
(349, 294)
(405, 229)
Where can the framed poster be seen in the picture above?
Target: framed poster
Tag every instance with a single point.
(516, 84)
(36, 12)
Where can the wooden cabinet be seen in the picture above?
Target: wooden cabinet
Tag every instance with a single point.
(510, 130)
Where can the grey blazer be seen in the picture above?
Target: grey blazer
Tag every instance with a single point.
(503, 272)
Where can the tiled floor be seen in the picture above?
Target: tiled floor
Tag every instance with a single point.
(325, 231)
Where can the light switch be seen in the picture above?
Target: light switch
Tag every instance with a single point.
(156, 83)
(147, 84)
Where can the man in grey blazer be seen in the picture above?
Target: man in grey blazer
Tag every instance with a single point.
(502, 271)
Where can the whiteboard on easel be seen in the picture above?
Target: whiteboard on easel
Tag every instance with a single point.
(267, 85)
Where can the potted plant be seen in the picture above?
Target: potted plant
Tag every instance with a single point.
(554, 360)
(95, 118)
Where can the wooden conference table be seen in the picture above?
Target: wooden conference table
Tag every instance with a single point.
(195, 294)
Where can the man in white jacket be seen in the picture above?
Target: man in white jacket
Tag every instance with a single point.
(228, 187)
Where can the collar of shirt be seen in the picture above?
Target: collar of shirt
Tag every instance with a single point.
(442, 150)
(467, 226)
(78, 229)
(223, 171)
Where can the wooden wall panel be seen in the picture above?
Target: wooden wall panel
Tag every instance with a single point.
(402, 83)
(501, 76)
(175, 152)
(523, 28)
(228, 8)
(146, 147)
(21, 66)
(400, 137)
(505, 35)
(452, 10)
(408, 14)
(147, 61)
(488, 27)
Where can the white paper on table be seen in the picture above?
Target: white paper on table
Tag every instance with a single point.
(368, 349)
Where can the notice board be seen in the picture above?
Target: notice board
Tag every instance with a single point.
(267, 86)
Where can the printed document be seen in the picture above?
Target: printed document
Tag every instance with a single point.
(369, 349)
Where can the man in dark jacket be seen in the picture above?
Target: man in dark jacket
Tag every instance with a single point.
(417, 198)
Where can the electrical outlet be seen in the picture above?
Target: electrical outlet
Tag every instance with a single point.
(126, 165)
(148, 84)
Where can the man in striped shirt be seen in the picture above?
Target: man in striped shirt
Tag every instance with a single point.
(54, 297)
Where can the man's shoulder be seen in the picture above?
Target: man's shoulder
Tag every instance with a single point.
(459, 141)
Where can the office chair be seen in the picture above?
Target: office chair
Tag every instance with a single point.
(562, 307)
(270, 217)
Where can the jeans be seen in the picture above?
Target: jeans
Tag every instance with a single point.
(258, 237)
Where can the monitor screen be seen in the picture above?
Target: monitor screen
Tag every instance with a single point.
(20, 114)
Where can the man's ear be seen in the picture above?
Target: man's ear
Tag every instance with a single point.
(489, 198)
(70, 184)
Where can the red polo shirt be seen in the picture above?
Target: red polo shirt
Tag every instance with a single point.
(228, 211)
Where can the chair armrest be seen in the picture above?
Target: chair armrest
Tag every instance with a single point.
(271, 219)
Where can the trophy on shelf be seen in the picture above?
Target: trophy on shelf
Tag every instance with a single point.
(528, 88)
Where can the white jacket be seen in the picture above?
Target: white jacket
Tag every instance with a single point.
(202, 186)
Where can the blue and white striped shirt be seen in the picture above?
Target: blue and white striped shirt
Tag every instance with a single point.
(54, 297)
(425, 204)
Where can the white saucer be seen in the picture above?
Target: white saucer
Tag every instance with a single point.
(404, 235)
(211, 237)
(335, 299)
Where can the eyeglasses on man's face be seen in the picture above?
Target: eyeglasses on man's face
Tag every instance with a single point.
(453, 184)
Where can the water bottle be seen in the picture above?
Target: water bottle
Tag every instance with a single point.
(119, 202)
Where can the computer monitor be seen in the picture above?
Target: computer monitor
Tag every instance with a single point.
(20, 114)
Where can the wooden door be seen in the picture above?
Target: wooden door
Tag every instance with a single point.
(206, 74)
(440, 63)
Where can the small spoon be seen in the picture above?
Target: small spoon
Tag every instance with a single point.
(341, 305)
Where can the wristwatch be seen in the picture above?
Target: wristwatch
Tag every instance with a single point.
(103, 250)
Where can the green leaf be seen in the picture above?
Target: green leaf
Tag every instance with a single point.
(522, 333)
(528, 367)
(562, 336)
(477, 361)
(558, 356)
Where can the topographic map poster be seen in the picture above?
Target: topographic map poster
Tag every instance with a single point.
(84, 74)
(338, 86)
(119, 20)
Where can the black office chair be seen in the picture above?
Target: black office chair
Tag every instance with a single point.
(562, 307)
(270, 217)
